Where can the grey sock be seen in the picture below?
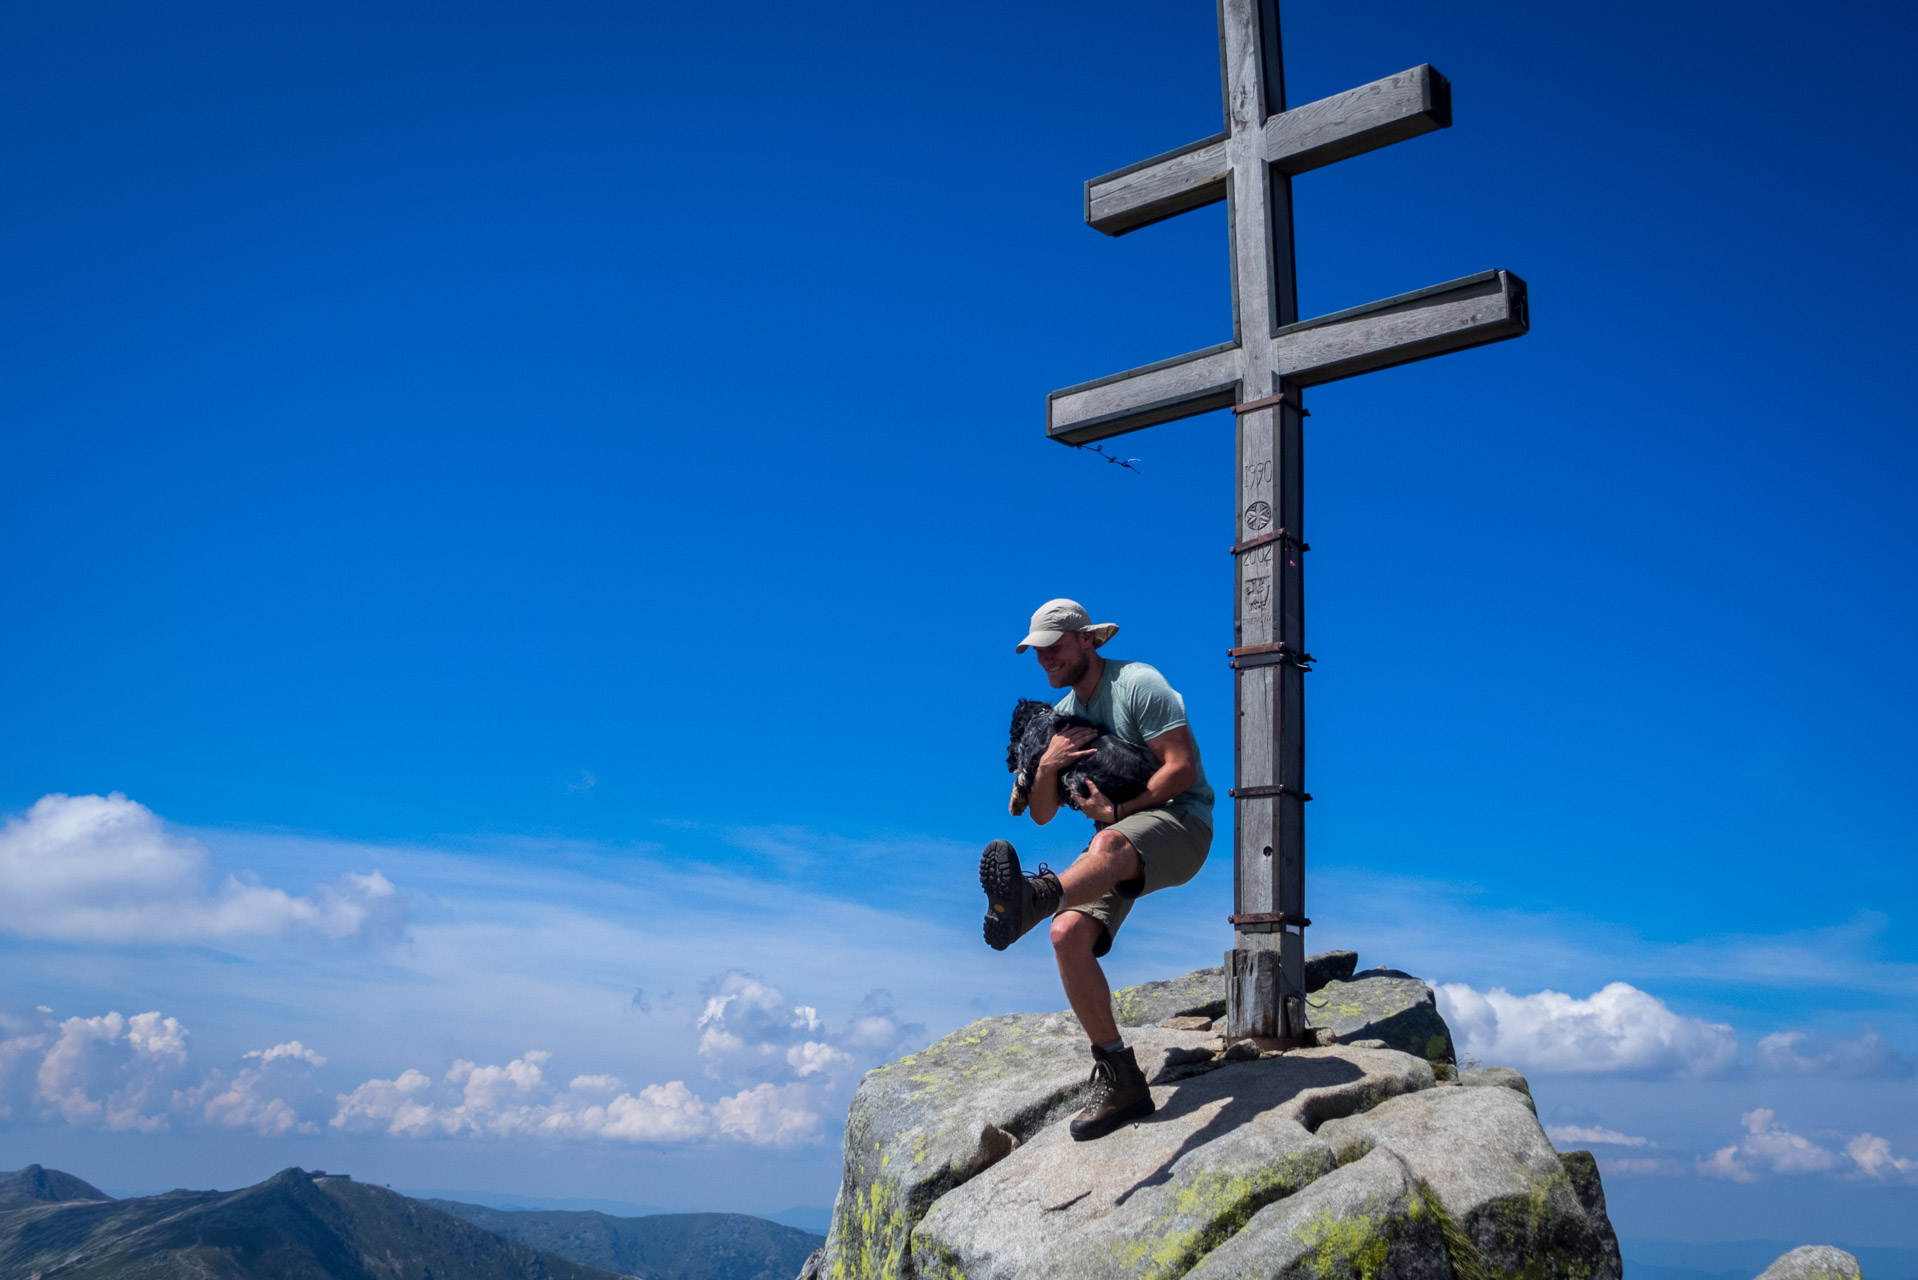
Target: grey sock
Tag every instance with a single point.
(1116, 1046)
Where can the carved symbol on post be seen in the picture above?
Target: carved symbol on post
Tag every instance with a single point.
(1257, 516)
(1258, 593)
(1257, 473)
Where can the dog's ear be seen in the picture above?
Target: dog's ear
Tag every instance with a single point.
(1022, 713)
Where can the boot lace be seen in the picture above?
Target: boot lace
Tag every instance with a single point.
(1103, 1081)
(1047, 892)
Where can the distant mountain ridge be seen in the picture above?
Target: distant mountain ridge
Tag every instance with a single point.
(816, 1219)
(293, 1226)
(38, 1185)
(663, 1246)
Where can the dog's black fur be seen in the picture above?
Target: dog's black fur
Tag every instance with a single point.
(1120, 768)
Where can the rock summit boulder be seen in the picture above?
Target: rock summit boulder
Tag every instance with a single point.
(1354, 1158)
(1813, 1262)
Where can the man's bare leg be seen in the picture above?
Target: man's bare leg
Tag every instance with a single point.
(1109, 859)
(1074, 935)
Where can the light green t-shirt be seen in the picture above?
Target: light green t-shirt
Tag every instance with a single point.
(1134, 701)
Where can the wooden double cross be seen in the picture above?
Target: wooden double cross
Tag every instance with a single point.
(1259, 375)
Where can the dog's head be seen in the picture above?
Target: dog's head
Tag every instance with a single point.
(1022, 716)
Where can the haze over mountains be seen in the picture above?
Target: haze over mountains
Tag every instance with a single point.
(713, 1246)
(308, 1225)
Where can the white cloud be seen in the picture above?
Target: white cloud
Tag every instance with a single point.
(769, 1115)
(1592, 1133)
(130, 1075)
(789, 1068)
(1867, 1055)
(516, 1100)
(1784, 1151)
(747, 1018)
(1872, 1155)
(1418, 924)
(265, 1094)
(1724, 1163)
(814, 1056)
(750, 1031)
(1618, 1028)
(109, 1072)
(657, 1113)
(1769, 1147)
(292, 1049)
(876, 1034)
(105, 869)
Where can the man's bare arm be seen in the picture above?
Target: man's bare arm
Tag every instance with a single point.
(1065, 749)
(1178, 769)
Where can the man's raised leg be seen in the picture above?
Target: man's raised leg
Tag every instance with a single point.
(1109, 859)
(1016, 902)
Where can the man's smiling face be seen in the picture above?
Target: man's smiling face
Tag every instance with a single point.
(1067, 659)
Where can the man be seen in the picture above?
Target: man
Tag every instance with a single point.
(1151, 842)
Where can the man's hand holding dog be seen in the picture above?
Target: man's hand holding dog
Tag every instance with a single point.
(1178, 769)
(1067, 748)
(1098, 806)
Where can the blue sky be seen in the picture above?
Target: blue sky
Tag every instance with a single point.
(531, 507)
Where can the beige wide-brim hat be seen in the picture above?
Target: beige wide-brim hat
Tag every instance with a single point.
(1056, 617)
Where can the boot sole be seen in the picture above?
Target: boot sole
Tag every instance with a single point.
(1087, 1131)
(1000, 877)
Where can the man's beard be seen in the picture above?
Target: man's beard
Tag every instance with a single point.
(1069, 676)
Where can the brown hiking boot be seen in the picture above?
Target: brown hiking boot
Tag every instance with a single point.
(1014, 901)
(1119, 1095)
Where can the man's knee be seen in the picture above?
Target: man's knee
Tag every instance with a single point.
(1075, 932)
(1110, 844)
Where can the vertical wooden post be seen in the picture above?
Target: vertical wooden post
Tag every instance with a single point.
(1259, 373)
(1266, 966)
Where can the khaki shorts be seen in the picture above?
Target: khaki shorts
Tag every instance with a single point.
(1171, 847)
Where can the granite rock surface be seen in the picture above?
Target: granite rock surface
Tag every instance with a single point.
(1813, 1262)
(1202, 992)
(1353, 1159)
(1156, 1196)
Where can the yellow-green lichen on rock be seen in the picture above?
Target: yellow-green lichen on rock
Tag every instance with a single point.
(1383, 1004)
(1494, 1174)
(1366, 1220)
(1346, 1162)
(919, 1127)
(1154, 1198)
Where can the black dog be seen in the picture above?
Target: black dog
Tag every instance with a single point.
(1121, 769)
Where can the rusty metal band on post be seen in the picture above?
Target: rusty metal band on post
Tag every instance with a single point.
(1246, 657)
(1265, 793)
(1252, 920)
(1266, 540)
(1267, 402)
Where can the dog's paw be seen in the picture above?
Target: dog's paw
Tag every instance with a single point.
(1017, 805)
